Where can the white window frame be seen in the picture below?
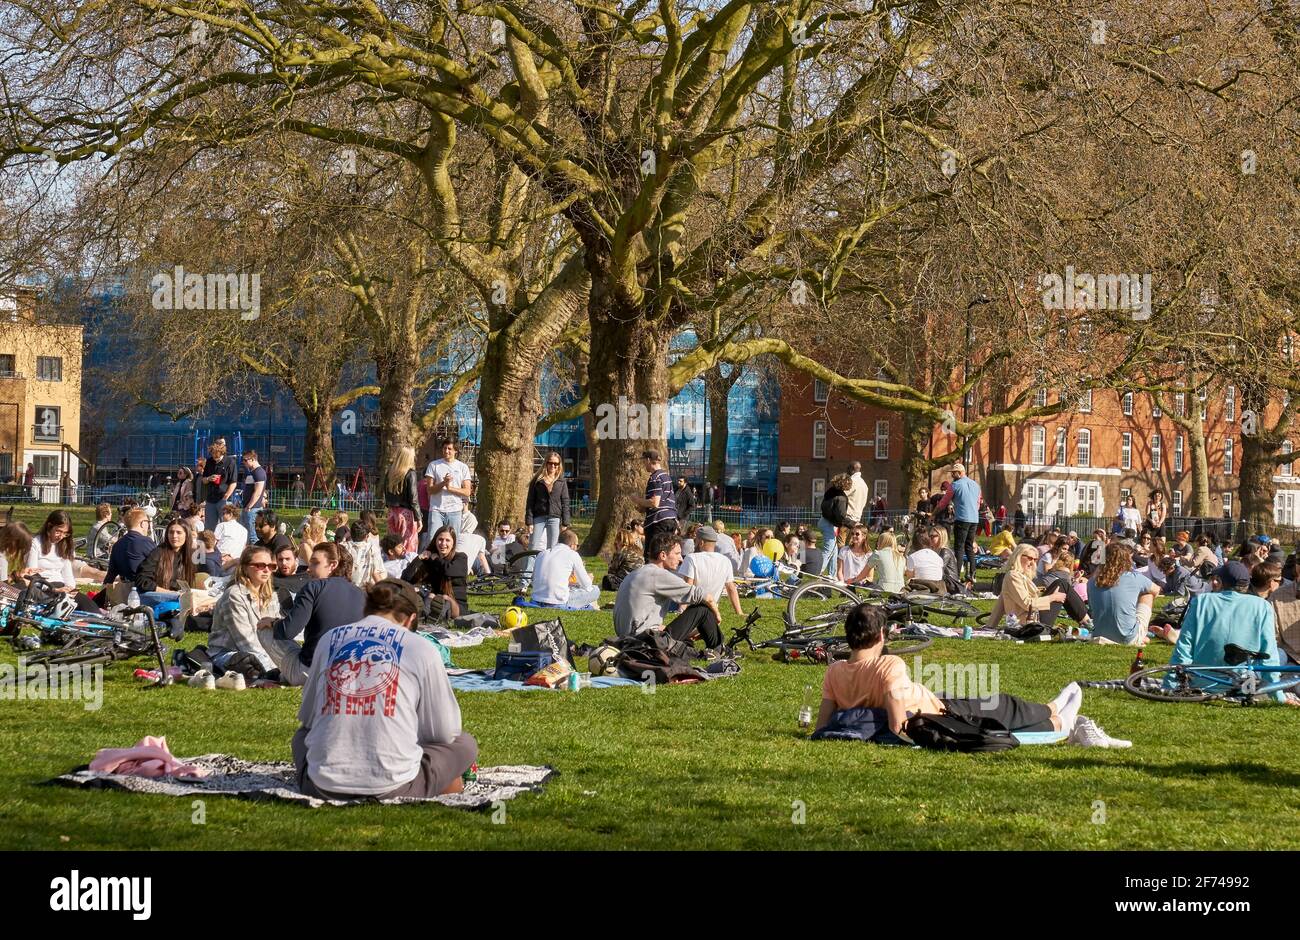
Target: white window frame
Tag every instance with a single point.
(58, 360)
(1155, 408)
(1178, 454)
(1062, 447)
(880, 488)
(1203, 397)
(1083, 448)
(1124, 493)
(1038, 445)
(819, 440)
(1176, 503)
(47, 460)
(821, 391)
(818, 491)
(1126, 451)
(882, 440)
(1180, 404)
(1227, 505)
(1230, 403)
(1228, 462)
(1085, 402)
(1040, 397)
(1156, 454)
(1126, 404)
(1286, 468)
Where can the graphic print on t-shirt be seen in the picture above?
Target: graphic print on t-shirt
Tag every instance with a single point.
(361, 668)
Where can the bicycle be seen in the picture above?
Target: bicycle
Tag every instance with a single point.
(513, 581)
(807, 608)
(814, 644)
(1240, 681)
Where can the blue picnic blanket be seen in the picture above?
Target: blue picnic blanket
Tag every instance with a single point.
(521, 601)
(480, 680)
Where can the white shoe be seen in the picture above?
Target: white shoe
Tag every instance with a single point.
(232, 680)
(203, 680)
(1087, 733)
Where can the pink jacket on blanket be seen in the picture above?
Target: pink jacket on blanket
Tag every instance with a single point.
(149, 758)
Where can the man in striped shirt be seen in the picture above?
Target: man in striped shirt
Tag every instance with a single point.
(659, 502)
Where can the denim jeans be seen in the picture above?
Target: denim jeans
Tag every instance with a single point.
(437, 519)
(248, 519)
(963, 546)
(212, 514)
(546, 534)
(830, 551)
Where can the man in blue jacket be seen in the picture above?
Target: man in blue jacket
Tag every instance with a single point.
(131, 549)
(324, 603)
(965, 498)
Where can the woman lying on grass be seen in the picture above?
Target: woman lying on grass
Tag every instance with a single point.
(871, 679)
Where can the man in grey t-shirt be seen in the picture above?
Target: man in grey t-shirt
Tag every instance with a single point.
(647, 592)
(378, 714)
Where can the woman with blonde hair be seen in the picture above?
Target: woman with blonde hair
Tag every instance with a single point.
(248, 600)
(402, 497)
(547, 507)
(628, 556)
(311, 536)
(1020, 595)
(887, 563)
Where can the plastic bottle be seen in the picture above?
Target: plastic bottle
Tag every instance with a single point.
(133, 599)
(805, 710)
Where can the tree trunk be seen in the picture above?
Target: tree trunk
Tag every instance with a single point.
(718, 390)
(1258, 464)
(318, 445)
(510, 406)
(1200, 501)
(628, 371)
(396, 369)
(916, 456)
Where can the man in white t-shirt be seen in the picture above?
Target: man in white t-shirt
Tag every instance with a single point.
(473, 545)
(551, 576)
(710, 569)
(449, 487)
(232, 537)
(925, 567)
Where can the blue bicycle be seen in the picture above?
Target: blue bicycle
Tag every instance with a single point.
(1242, 680)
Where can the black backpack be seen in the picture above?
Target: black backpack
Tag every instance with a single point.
(954, 733)
(655, 655)
(832, 513)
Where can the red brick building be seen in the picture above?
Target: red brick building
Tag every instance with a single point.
(1080, 462)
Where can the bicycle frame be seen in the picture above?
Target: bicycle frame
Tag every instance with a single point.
(1239, 680)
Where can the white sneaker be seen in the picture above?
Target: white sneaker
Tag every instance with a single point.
(232, 680)
(1087, 733)
(203, 680)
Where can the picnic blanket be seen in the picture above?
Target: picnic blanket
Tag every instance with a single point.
(278, 781)
(457, 639)
(525, 602)
(480, 680)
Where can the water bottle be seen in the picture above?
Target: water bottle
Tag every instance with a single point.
(133, 599)
(805, 710)
(1012, 622)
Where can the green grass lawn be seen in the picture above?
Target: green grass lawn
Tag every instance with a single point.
(718, 765)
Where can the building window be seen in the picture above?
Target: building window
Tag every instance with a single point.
(47, 426)
(1227, 505)
(1085, 402)
(1176, 503)
(1083, 448)
(1126, 451)
(1155, 452)
(819, 440)
(881, 490)
(1040, 398)
(1227, 456)
(47, 466)
(7, 366)
(1230, 403)
(1127, 403)
(1038, 445)
(1180, 404)
(1201, 397)
(821, 391)
(1155, 407)
(1124, 494)
(1178, 454)
(882, 440)
(1085, 495)
(1060, 447)
(1286, 467)
(818, 491)
(49, 368)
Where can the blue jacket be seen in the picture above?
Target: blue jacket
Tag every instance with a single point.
(322, 605)
(127, 555)
(1214, 620)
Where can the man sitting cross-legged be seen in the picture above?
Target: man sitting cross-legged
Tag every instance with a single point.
(871, 679)
(378, 715)
(647, 592)
(551, 576)
(710, 569)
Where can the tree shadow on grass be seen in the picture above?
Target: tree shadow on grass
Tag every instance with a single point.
(1247, 771)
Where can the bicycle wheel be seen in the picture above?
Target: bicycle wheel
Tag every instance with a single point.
(104, 540)
(490, 585)
(1181, 683)
(78, 652)
(817, 608)
(905, 645)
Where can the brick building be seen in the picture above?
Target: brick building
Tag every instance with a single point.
(1078, 463)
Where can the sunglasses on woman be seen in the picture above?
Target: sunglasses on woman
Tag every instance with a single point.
(262, 565)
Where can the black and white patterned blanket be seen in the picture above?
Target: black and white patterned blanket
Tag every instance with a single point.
(277, 780)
